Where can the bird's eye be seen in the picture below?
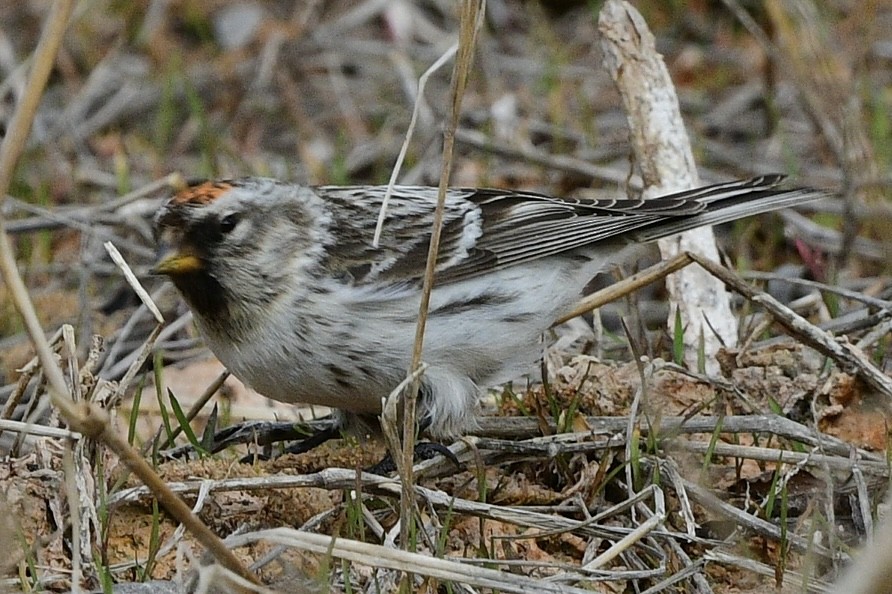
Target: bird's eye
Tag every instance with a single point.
(229, 222)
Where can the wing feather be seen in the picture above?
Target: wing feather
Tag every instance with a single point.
(485, 230)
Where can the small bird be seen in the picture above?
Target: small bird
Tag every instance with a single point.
(290, 293)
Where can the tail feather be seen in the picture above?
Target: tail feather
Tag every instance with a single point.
(739, 200)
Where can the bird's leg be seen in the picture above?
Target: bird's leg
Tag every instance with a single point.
(317, 439)
(304, 443)
(424, 450)
(265, 433)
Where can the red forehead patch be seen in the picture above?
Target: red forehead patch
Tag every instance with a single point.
(202, 193)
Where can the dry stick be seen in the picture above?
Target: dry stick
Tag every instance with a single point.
(159, 334)
(134, 283)
(520, 427)
(83, 417)
(145, 351)
(422, 83)
(879, 469)
(651, 491)
(879, 332)
(115, 355)
(792, 581)
(575, 444)
(44, 54)
(670, 468)
(389, 414)
(627, 285)
(849, 357)
(689, 569)
(664, 155)
(819, 286)
(642, 530)
(340, 478)
(38, 430)
(470, 23)
(74, 511)
(27, 372)
(864, 506)
(384, 557)
(832, 241)
(78, 473)
(753, 524)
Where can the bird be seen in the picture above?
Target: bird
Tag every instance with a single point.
(292, 294)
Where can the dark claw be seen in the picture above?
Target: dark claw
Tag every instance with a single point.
(424, 450)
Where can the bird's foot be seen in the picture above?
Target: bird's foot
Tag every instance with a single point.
(303, 442)
(306, 436)
(424, 450)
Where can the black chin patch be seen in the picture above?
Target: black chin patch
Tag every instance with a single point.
(204, 294)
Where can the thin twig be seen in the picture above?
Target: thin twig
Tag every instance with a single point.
(626, 286)
(384, 557)
(471, 19)
(134, 283)
(847, 355)
(394, 174)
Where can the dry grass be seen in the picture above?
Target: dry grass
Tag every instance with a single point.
(610, 473)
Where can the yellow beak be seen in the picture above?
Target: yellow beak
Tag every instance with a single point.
(171, 263)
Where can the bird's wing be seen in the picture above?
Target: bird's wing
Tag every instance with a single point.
(485, 230)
